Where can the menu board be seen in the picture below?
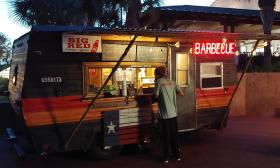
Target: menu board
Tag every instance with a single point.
(113, 52)
(151, 54)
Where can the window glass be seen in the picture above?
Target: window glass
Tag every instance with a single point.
(137, 79)
(146, 77)
(182, 61)
(211, 70)
(96, 77)
(211, 75)
(122, 74)
(182, 66)
(105, 73)
(182, 77)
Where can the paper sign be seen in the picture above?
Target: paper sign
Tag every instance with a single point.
(81, 43)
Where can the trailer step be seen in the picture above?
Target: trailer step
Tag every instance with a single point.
(12, 138)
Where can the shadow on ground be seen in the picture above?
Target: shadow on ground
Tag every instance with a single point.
(8, 118)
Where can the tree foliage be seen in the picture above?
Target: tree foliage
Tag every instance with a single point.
(266, 3)
(103, 13)
(5, 49)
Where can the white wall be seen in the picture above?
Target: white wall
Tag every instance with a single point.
(250, 4)
(241, 4)
(257, 95)
(5, 73)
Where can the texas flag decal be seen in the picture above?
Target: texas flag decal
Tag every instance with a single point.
(126, 126)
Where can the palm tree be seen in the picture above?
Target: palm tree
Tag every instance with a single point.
(104, 13)
(267, 16)
(29, 12)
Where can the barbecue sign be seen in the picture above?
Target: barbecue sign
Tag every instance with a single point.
(222, 48)
(81, 43)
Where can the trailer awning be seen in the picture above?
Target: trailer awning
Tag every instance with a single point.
(206, 18)
(150, 35)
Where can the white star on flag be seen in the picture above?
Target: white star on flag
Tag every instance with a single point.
(111, 128)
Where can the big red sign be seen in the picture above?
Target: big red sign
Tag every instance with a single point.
(214, 48)
(81, 43)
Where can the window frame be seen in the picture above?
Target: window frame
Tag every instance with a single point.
(88, 65)
(212, 76)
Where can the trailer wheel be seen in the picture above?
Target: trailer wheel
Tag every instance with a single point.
(98, 151)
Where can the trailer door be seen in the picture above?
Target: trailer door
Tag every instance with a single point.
(183, 73)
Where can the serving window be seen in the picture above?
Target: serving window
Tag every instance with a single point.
(211, 75)
(137, 78)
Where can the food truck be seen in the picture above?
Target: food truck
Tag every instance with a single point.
(86, 88)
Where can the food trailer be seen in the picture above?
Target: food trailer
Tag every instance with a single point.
(82, 88)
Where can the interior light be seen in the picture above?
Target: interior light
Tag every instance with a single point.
(224, 40)
(177, 44)
(191, 50)
(14, 80)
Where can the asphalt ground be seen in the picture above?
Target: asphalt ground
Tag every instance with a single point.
(247, 142)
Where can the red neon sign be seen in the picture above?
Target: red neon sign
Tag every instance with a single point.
(214, 48)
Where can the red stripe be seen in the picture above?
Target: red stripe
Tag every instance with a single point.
(51, 103)
(133, 134)
(129, 141)
(59, 103)
(215, 92)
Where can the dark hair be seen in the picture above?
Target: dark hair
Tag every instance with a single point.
(161, 71)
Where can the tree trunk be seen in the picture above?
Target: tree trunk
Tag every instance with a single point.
(267, 16)
(133, 13)
(267, 54)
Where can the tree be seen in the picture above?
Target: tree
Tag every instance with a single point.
(102, 13)
(267, 16)
(5, 49)
(30, 12)
(135, 8)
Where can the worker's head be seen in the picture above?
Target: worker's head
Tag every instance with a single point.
(160, 72)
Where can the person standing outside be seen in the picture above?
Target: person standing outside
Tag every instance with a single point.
(165, 91)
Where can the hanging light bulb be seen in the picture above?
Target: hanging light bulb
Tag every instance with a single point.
(224, 40)
(191, 50)
(177, 44)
